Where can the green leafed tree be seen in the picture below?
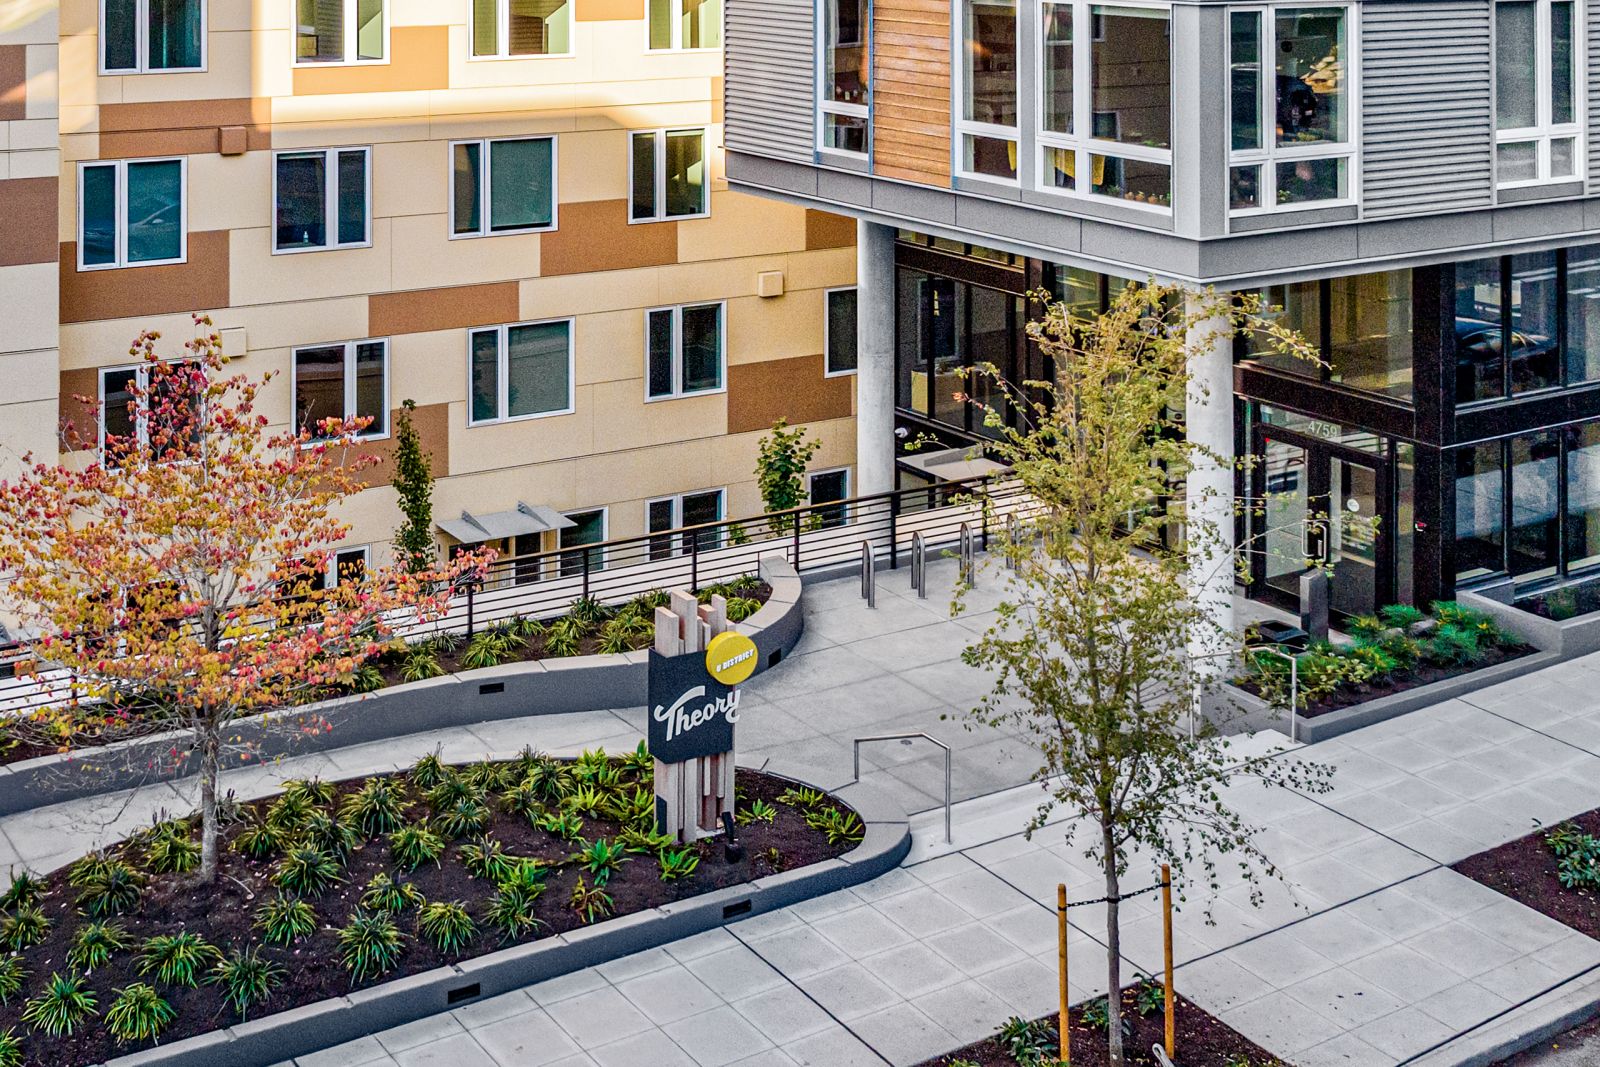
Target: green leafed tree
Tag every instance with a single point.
(781, 471)
(413, 484)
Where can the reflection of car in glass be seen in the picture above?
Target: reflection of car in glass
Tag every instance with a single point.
(1478, 358)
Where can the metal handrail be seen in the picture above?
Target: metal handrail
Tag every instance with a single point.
(1294, 685)
(912, 737)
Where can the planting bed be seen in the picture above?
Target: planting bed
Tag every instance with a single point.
(1565, 603)
(1202, 1041)
(551, 819)
(1528, 871)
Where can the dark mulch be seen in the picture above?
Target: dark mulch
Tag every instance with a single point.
(223, 914)
(1202, 1041)
(1525, 871)
(1349, 695)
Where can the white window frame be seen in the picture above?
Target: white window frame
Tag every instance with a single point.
(120, 262)
(349, 382)
(676, 30)
(965, 128)
(351, 29)
(141, 43)
(812, 475)
(660, 192)
(1083, 143)
(330, 575)
(827, 107)
(502, 38)
(141, 418)
(1270, 154)
(605, 535)
(827, 331)
(1545, 130)
(679, 544)
(330, 207)
(502, 379)
(677, 310)
(484, 156)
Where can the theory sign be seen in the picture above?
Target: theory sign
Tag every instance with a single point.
(691, 714)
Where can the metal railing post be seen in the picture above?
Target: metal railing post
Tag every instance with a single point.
(985, 506)
(694, 562)
(894, 532)
(586, 574)
(471, 603)
(797, 542)
(919, 566)
(856, 753)
(869, 578)
(1294, 686)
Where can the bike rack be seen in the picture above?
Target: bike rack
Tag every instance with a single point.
(1294, 684)
(869, 577)
(912, 737)
(1012, 563)
(969, 569)
(919, 566)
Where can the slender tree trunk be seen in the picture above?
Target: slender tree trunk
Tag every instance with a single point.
(210, 766)
(1113, 952)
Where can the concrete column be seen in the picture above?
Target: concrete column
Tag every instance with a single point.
(1209, 420)
(875, 307)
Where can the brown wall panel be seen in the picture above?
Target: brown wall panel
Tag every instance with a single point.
(433, 429)
(455, 308)
(595, 235)
(605, 10)
(795, 389)
(911, 90)
(78, 421)
(824, 229)
(28, 230)
(181, 127)
(13, 82)
(200, 284)
(420, 59)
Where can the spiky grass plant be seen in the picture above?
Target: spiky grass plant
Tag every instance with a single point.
(447, 926)
(389, 895)
(370, 945)
(758, 811)
(335, 836)
(246, 979)
(90, 867)
(290, 811)
(13, 976)
(10, 1048)
(452, 789)
(587, 801)
(306, 871)
(378, 807)
(522, 799)
(23, 928)
(138, 1014)
(61, 1006)
(677, 863)
(589, 902)
(259, 840)
(412, 846)
(172, 854)
(487, 858)
(602, 859)
(564, 824)
(642, 841)
(177, 959)
(25, 890)
(95, 943)
(113, 888)
(428, 771)
(488, 775)
(284, 920)
(314, 791)
(550, 779)
(463, 818)
(639, 763)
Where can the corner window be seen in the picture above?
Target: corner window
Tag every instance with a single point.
(131, 213)
(668, 169)
(1537, 119)
(687, 509)
(320, 199)
(843, 96)
(340, 31)
(1508, 336)
(507, 28)
(588, 528)
(340, 382)
(502, 186)
(149, 36)
(522, 371)
(987, 124)
(1361, 325)
(685, 348)
(684, 24)
(1289, 132)
(839, 331)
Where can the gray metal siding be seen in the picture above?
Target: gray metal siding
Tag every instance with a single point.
(1592, 117)
(769, 49)
(1427, 129)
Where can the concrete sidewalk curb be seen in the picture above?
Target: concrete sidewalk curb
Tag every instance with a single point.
(512, 691)
(1556, 1012)
(313, 1027)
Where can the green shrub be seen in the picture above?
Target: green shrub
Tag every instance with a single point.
(246, 979)
(138, 1014)
(489, 648)
(589, 902)
(487, 776)
(677, 863)
(307, 871)
(452, 789)
(25, 890)
(839, 826)
(1577, 857)
(636, 807)
(290, 811)
(549, 779)
(62, 1006)
(587, 801)
(420, 664)
(1365, 627)
(447, 926)
(1149, 996)
(428, 771)
(1402, 617)
(23, 928)
(758, 811)
(512, 911)
(644, 839)
(602, 859)
(171, 854)
(1452, 646)
(564, 637)
(618, 636)
(522, 799)
(284, 920)
(386, 894)
(259, 840)
(114, 889)
(370, 945)
(177, 959)
(89, 868)
(487, 858)
(10, 1048)
(378, 807)
(335, 836)
(566, 824)
(412, 846)
(1026, 1040)
(13, 976)
(588, 610)
(639, 762)
(741, 608)
(464, 817)
(801, 797)
(95, 943)
(314, 791)
(1374, 660)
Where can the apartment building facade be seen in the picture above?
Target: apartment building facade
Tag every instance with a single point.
(511, 212)
(1415, 182)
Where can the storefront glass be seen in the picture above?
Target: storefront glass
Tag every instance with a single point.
(1535, 329)
(1480, 511)
(1583, 313)
(1369, 332)
(1583, 496)
(1535, 514)
(1479, 355)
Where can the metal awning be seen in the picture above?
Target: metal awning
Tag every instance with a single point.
(953, 464)
(473, 529)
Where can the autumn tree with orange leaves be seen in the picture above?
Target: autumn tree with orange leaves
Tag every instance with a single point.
(183, 567)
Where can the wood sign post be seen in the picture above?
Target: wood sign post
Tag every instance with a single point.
(695, 668)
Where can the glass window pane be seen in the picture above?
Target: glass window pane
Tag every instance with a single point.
(1310, 75)
(537, 368)
(520, 182)
(1244, 65)
(1563, 158)
(702, 348)
(539, 27)
(116, 411)
(1480, 517)
(1057, 73)
(659, 515)
(686, 173)
(352, 197)
(844, 54)
(1480, 353)
(466, 213)
(174, 34)
(371, 401)
(644, 176)
(485, 27)
(589, 528)
(1131, 71)
(1535, 362)
(1583, 313)
(990, 76)
(1562, 105)
(1244, 188)
(120, 34)
(700, 508)
(97, 223)
(155, 211)
(1535, 519)
(1515, 64)
(485, 375)
(1060, 168)
(846, 133)
(841, 331)
(318, 387)
(1369, 338)
(320, 31)
(302, 200)
(369, 29)
(1132, 179)
(1583, 496)
(702, 24)
(1296, 307)
(992, 156)
(658, 327)
(1517, 162)
(1306, 181)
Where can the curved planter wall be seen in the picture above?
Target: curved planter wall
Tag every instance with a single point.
(515, 690)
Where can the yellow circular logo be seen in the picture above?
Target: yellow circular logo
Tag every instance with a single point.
(731, 658)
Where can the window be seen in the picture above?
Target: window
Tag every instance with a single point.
(988, 70)
(669, 175)
(589, 528)
(1299, 152)
(143, 36)
(684, 350)
(1537, 119)
(843, 56)
(340, 31)
(824, 487)
(339, 382)
(131, 213)
(320, 199)
(503, 28)
(503, 186)
(1480, 511)
(521, 371)
(839, 332)
(1105, 102)
(679, 24)
(124, 417)
(1360, 324)
(347, 565)
(687, 509)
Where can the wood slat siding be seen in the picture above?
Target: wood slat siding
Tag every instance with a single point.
(1427, 128)
(1592, 119)
(911, 90)
(770, 56)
